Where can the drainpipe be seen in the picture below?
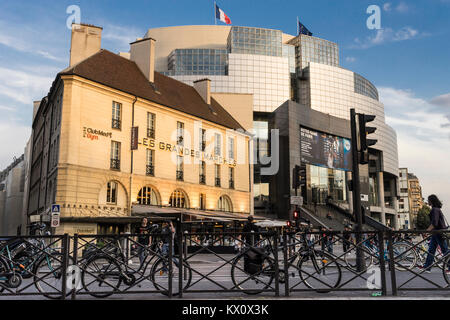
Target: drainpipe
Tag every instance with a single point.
(131, 167)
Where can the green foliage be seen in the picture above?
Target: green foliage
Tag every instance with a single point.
(423, 218)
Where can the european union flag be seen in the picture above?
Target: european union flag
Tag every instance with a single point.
(303, 30)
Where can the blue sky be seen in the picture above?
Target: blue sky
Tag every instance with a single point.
(408, 59)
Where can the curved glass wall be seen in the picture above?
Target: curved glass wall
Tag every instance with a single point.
(197, 62)
(249, 40)
(365, 87)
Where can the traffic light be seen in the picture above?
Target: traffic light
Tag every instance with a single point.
(296, 215)
(364, 131)
(299, 176)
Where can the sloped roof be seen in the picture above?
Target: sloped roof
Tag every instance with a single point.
(114, 71)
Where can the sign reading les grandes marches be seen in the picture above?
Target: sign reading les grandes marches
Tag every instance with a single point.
(325, 150)
(182, 151)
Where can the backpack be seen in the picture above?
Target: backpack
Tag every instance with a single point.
(253, 261)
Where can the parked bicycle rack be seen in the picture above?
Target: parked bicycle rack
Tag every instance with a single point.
(414, 279)
(270, 263)
(234, 273)
(33, 262)
(316, 267)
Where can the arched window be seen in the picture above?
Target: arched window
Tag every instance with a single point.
(148, 196)
(224, 204)
(179, 199)
(111, 192)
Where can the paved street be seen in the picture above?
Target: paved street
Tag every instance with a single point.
(219, 278)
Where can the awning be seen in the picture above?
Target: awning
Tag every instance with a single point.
(147, 210)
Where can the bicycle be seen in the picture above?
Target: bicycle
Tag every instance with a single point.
(24, 259)
(104, 271)
(253, 269)
(405, 256)
(317, 269)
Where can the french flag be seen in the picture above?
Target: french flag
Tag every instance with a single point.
(222, 16)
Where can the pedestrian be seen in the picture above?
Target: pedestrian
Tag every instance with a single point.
(330, 239)
(167, 236)
(143, 239)
(250, 227)
(437, 222)
(323, 238)
(347, 238)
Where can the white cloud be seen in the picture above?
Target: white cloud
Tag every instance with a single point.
(442, 100)
(25, 40)
(402, 7)
(423, 139)
(23, 87)
(13, 138)
(387, 6)
(385, 36)
(121, 36)
(350, 59)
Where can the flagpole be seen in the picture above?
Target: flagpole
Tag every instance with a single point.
(215, 17)
(298, 32)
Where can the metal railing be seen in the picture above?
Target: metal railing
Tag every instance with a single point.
(115, 164)
(150, 170)
(115, 124)
(269, 262)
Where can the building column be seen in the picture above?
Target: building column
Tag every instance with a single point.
(395, 201)
(381, 197)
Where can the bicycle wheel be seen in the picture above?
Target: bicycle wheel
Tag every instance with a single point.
(101, 276)
(405, 257)
(350, 258)
(319, 271)
(48, 275)
(252, 281)
(446, 268)
(3, 270)
(159, 275)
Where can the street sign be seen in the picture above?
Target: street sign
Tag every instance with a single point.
(56, 208)
(56, 213)
(364, 197)
(55, 220)
(297, 200)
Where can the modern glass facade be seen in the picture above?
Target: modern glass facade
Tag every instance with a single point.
(197, 62)
(312, 49)
(255, 41)
(365, 87)
(326, 183)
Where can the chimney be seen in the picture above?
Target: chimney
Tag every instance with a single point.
(86, 40)
(203, 87)
(142, 52)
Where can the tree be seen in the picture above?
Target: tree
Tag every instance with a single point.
(423, 218)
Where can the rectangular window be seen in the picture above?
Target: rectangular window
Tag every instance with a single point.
(180, 169)
(202, 146)
(151, 121)
(115, 155)
(150, 170)
(111, 193)
(217, 175)
(116, 115)
(202, 201)
(231, 178)
(202, 172)
(217, 144)
(231, 148)
(180, 133)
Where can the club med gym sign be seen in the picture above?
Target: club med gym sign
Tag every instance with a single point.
(94, 134)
